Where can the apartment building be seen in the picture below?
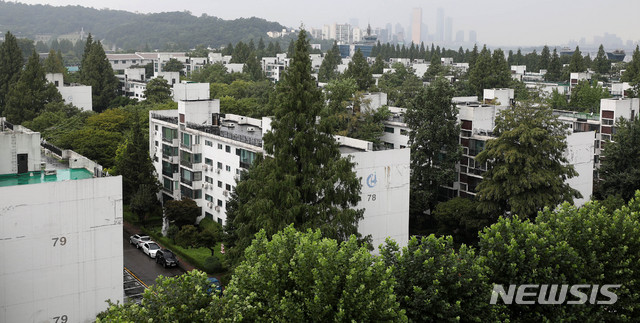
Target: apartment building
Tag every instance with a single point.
(60, 232)
(78, 95)
(274, 67)
(199, 153)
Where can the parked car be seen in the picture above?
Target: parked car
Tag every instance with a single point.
(166, 258)
(150, 248)
(138, 240)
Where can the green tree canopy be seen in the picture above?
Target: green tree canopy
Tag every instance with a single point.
(173, 65)
(328, 69)
(435, 149)
(182, 212)
(30, 94)
(158, 90)
(303, 277)
(359, 70)
(526, 167)
(601, 64)
(10, 66)
(586, 96)
(306, 182)
(620, 166)
(554, 71)
(577, 63)
(96, 71)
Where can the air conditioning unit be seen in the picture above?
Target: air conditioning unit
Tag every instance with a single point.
(209, 204)
(225, 193)
(217, 208)
(217, 170)
(203, 185)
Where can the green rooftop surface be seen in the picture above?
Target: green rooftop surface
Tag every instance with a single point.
(40, 177)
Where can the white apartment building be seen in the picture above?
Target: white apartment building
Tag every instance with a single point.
(273, 67)
(60, 233)
(199, 153)
(78, 95)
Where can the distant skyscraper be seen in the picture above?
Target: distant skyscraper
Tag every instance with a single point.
(416, 25)
(448, 32)
(460, 36)
(389, 29)
(440, 25)
(472, 36)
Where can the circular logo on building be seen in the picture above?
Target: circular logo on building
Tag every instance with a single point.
(372, 180)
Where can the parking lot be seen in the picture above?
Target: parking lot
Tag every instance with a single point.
(142, 266)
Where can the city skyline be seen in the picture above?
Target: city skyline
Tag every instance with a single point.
(496, 22)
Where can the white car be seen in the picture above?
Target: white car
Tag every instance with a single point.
(138, 240)
(150, 248)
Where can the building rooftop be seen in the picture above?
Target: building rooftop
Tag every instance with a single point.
(38, 177)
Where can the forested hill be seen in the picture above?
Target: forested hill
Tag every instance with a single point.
(168, 30)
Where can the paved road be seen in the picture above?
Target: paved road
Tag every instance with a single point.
(142, 265)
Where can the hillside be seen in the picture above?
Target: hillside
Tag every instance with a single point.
(167, 30)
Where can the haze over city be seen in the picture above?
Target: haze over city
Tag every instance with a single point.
(497, 22)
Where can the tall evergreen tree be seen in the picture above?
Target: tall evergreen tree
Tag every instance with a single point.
(96, 71)
(134, 163)
(10, 66)
(526, 166)
(378, 66)
(545, 58)
(633, 68)
(601, 64)
(29, 95)
(577, 62)
(435, 149)
(158, 91)
(53, 63)
(500, 76)
(328, 69)
(360, 71)
(620, 168)
(252, 68)
(554, 71)
(480, 74)
(306, 181)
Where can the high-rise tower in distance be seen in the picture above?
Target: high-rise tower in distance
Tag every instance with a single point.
(416, 25)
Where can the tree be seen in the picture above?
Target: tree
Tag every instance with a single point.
(435, 68)
(134, 163)
(633, 68)
(619, 169)
(459, 218)
(328, 68)
(96, 71)
(304, 277)
(183, 298)
(500, 71)
(378, 66)
(143, 201)
(182, 212)
(557, 100)
(526, 167)
(433, 139)
(210, 236)
(401, 85)
(577, 62)
(158, 90)
(601, 64)
(306, 182)
(480, 74)
(30, 94)
(359, 70)
(252, 68)
(173, 65)
(436, 283)
(10, 66)
(53, 63)
(554, 72)
(586, 97)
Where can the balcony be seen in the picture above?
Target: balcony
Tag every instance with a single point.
(173, 120)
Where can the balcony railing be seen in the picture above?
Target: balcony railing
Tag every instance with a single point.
(173, 120)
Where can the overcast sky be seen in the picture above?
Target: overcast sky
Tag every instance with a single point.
(497, 22)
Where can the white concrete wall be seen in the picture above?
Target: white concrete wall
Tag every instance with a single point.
(579, 153)
(385, 194)
(234, 68)
(622, 107)
(191, 91)
(27, 142)
(198, 111)
(41, 281)
(483, 117)
(79, 96)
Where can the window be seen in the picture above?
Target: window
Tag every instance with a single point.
(219, 165)
(220, 221)
(219, 146)
(388, 145)
(197, 176)
(404, 132)
(228, 168)
(208, 161)
(169, 151)
(208, 179)
(169, 134)
(155, 127)
(167, 184)
(388, 129)
(156, 143)
(197, 194)
(208, 197)
(219, 184)
(227, 187)
(186, 176)
(220, 203)
(186, 139)
(208, 143)
(227, 148)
